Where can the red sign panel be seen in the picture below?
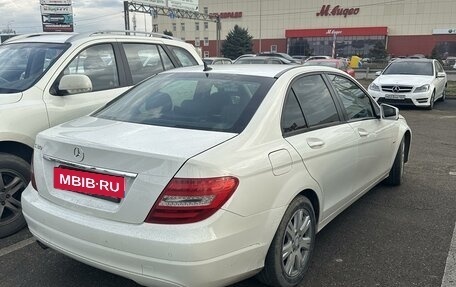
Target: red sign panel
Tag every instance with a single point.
(89, 182)
(365, 31)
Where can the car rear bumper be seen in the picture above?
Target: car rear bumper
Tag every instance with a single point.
(214, 252)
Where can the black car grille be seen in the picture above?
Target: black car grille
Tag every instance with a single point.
(405, 102)
(397, 89)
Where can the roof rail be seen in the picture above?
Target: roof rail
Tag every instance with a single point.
(25, 36)
(124, 33)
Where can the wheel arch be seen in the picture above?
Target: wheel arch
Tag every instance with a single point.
(313, 197)
(18, 149)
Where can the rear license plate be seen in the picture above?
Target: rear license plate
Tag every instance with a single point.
(395, 97)
(91, 183)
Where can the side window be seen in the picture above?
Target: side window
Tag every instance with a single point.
(143, 59)
(166, 60)
(439, 67)
(99, 64)
(184, 56)
(292, 117)
(316, 101)
(356, 103)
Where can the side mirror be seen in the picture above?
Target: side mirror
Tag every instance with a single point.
(389, 112)
(441, 75)
(378, 73)
(75, 84)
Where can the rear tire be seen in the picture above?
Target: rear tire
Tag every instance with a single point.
(443, 98)
(14, 177)
(397, 170)
(291, 249)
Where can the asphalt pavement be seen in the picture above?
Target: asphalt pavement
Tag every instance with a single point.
(392, 236)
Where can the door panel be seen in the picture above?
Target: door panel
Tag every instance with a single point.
(330, 156)
(374, 136)
(311, 124)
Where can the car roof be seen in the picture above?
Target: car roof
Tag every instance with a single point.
(401, 60)
(261, 57)
(262, 70)
(216, 58)
(325, 60)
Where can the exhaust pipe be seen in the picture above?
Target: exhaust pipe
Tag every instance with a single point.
(42, 245)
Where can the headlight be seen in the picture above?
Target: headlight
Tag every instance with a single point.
(374, 87)
(423, 88)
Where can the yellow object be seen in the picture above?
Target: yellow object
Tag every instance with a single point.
(355, 61)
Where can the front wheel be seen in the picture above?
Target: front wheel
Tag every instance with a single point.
(396, 173)
(14, 177)
(431, 102)
(291, 249)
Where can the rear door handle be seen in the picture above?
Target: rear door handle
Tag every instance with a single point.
(315, 142)
(363, 132)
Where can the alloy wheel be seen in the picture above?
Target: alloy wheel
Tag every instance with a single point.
(11, 186)
(297, 242)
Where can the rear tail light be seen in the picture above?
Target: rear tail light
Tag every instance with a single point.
(188, 200)
(32, 175)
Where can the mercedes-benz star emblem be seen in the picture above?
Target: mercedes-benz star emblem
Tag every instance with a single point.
(78, 154)
(396, 89)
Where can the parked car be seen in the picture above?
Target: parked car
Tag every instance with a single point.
(204, 177)
(243, 56)
(413, 82)
(47, 79)
(264, 60)
(217, 61)
(299, 58)
(280, 55)
(317, 58)
(340, 64)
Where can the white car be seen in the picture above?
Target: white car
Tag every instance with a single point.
(50, 78)
(413, 82)
(206, 177)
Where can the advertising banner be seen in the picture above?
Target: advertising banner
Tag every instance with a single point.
(56, 9)
(152, 2)
(57, 15)
(444, 31)
(191, 5)
(55, 2)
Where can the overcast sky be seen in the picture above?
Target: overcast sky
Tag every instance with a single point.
(24, 16)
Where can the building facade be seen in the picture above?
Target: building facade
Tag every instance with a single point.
(347, 27)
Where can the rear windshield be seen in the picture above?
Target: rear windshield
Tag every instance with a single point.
(23, 64)
(214, 102)
(409, 68)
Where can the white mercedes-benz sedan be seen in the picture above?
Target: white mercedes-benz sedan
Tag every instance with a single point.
(206, 176)
(410, 82)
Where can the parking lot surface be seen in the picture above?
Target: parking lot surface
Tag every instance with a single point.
(392, 236)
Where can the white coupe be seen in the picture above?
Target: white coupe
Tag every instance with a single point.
(206, 176)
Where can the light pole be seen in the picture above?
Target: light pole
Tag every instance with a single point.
(260, 28)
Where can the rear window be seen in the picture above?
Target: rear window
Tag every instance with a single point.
(215, 102)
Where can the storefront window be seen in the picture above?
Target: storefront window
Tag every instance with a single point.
(346, 46)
